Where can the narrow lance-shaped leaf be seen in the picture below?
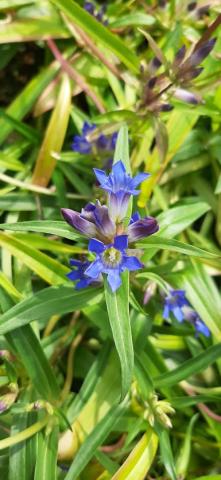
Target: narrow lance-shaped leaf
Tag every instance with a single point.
(118, 312)
(137, 465)
(54, 135)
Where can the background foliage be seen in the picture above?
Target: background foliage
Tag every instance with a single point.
(70, 407)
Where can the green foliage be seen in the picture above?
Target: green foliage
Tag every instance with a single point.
(96, 385)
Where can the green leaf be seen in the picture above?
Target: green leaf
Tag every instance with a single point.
(138, 463)
(46, 464)
(98, 32)
(54, 135)
(166, 451)
(94, 440)
(46, 267)
(34, 29)
(189, 367)
(175, 246)
(176, 219)
(59, 228)
(118, 312)
(183, 459)
(28, 347)
(48, 302)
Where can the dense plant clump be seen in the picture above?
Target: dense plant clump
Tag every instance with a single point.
(110, 234)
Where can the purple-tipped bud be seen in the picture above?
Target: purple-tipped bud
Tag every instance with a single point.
(186, 96)
(180, 56)
(75, 220)
(141, 228)
(202, 52)
(202, 11)
(190, 75)
(3, 406)
(191, 6)
(152, 82)
(166, 107)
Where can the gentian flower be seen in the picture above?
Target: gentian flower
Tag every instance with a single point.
(141, 227)
(120, 186)
(111, 260)
(82, 144)
(192, 316)
(93, 221)
(173, 303)
(78, 274)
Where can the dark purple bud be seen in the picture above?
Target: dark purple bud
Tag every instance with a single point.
(202, 52)
(194, 73)
(155, 64)
(75, 220)
(89, 7)
(166, 107)
(179, 56)
(152, 82)
(186, 96)
(144, 227)
(191, 6)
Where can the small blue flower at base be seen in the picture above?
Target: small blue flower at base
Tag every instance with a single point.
(78, 274)
(81, 144)
(120, 186)
(173, 303)
(111, 260)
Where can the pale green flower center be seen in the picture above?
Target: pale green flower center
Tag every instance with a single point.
(112, 257)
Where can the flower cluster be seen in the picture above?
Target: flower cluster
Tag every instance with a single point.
(176, 80)
(175, 302)
(82, 143)
(105, 226)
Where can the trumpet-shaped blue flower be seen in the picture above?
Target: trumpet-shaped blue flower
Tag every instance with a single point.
(111, 260)
(120, 186)
(173, 303)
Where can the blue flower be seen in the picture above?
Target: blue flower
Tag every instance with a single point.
(192, 316)
(111, 260)
(78, 274)
(141, 227)
(93, 221)
(173, 303)
(82, 144)
(120, 186)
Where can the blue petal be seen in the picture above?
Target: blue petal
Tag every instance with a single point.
(132, 263)
(100, 175)
(121, 242)
(94, 270)
(114, 280)
(119, 172)
(74, 275)
(178, 314)
(166, 312)
(75, 263)
(87, 128)
(83, 283)
(202, 328)
(139, 179)
(96, 246)
(135, 217)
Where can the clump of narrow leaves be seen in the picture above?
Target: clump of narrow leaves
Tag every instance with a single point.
(110, 239)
